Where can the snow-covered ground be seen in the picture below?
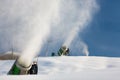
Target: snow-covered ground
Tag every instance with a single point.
(69, 68)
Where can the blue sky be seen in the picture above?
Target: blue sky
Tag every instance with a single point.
(103, 35)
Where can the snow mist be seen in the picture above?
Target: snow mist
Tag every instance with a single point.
(75, 15)
(84, 12)
(25, 25)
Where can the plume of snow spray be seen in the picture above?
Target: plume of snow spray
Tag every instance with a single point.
(84, 17)
(75, 15)
(26, 25)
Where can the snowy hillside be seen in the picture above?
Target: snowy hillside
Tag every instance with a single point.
(69, 68)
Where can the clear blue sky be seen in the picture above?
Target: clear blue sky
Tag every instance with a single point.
(103, 35)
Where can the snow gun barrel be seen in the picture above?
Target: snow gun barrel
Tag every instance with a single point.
(63, 51)
(18, 69)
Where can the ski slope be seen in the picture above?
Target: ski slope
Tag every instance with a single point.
(68, 68)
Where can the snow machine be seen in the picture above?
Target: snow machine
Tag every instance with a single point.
(19, 69)
(53, 54)
(63, 51)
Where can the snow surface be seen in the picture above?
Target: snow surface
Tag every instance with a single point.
(68, 68)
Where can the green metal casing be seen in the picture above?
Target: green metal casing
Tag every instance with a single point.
(15, 70)
(60, 52)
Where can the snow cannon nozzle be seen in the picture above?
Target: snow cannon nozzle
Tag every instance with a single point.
(20, 69)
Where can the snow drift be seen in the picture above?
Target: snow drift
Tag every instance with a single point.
(69, 68)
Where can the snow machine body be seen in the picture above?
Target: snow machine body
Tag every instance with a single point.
(63, 51)
(19, 69)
